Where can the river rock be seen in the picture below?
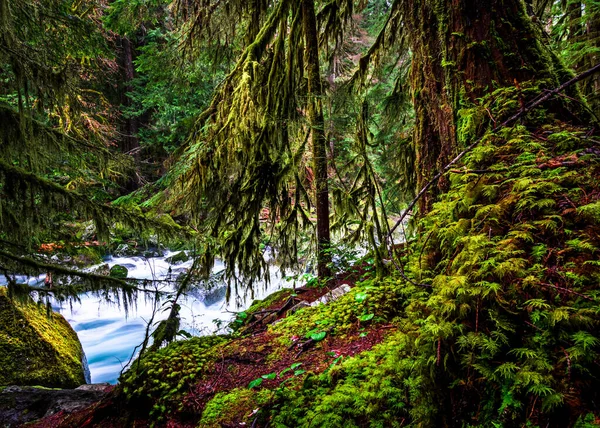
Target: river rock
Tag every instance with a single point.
(37, 348)
(118, 271)
(177, 259)
(103, 269)
(215, 295)
(19, 405)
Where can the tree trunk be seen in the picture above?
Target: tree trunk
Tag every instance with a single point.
(591, 87)
(130, 142)
(316, 122)
(463, 50)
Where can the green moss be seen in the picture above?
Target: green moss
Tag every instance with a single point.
(36, 349)
(118, 271)
(507, 333)
(378, 297)
(87, 256)
(233, 406)
(259, 305)
(157, 382)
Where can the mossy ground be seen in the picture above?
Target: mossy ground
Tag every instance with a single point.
(499, 327)
(37, 349)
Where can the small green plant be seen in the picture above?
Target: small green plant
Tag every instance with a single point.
(271, 376)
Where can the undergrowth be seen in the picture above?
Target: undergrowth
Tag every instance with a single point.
(498, 326)
(506, 334)
(160, 379)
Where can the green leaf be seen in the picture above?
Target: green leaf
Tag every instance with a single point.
(255, 383)
(269, 376)
(363, 334)
(366, 317)
(299, 372)
(317, 337)
(360, 297)
(295, 366)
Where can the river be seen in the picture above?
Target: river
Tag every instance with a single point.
(109, 334)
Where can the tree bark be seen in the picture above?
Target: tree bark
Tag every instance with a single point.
(463, 50)
(591, 87)
(316, 122)
(130, 142)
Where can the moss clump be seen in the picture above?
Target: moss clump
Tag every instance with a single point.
(157, 383)
(235, 405)
(118, 271)
(87, 256)
(259, 305)
(377, 297)
(36, 349)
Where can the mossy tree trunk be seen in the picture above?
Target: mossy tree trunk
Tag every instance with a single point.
(463, 50)
(316, 123)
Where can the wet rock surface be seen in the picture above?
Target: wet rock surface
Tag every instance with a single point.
(22, 404)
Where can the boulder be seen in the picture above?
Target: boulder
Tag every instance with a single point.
(37, 347)
(19, 405)
(118, 271)
(177, 259)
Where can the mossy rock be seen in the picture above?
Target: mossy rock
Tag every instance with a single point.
(87, 256)
(180, 257)
(118, 271)
(37, 349)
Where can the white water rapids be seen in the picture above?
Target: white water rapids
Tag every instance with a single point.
(109, 336)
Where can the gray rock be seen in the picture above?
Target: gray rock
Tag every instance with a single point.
(93, 387)
(89, 233)
(103, 269)
(334, 294)
(19, 405)
(215, 295)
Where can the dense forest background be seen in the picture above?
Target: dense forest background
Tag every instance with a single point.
(451, 144)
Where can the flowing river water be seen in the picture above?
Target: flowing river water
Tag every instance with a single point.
(109, 334)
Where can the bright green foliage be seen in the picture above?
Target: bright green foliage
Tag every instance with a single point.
(507, 334)
(378, 297)
(161, 378)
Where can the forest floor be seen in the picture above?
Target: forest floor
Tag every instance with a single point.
(242, 360)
